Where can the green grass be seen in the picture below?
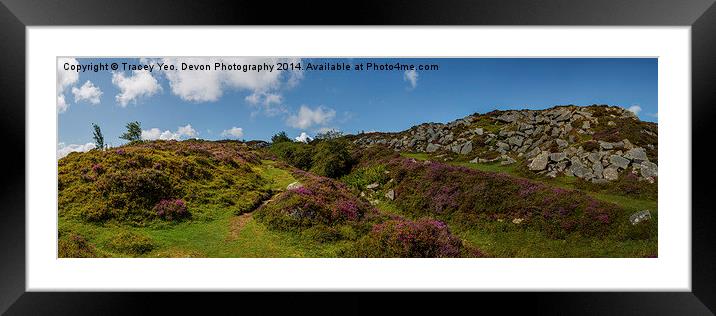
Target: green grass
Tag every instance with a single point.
(507, 240)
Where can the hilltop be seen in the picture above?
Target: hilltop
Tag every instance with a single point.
(596, 143)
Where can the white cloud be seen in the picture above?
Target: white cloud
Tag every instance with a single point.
(210, 85)
(65, 79)
(303, 138)
(61, 104)
(140, 84)
(655, 114)
(307, 117)
(234, 132)
(65, 150)
(269, 103)
(411, 76)
(634, 109)
(87, 92)
(182, 131)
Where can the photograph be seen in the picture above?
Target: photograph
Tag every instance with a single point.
(361, 157)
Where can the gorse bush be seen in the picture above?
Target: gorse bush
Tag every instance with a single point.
(73, 245)
(400, 238)
(131, 243)
(329, 158)
(361, 177)
(299, 155)
(332, 158)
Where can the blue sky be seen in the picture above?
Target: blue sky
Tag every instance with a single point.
(211, 104)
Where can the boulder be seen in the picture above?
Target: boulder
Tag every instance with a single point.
(515, 140)
(611, 173)
(619, 161)
(580, 171)
(557, 157)
(540, 162)
(432, 148)
(466, 148)
(372, 186)
(598, 170)
(640, 217)
(606, 145)
(561, 143)
(390, 195)
(649, 169)
(508, 117)
(507, 161)
(294, 186)
(636, 154)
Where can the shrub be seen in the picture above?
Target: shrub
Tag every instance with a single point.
(299, 155)
(362, 177)
(171, 210)
(73, 245)
(331, 158)
(319, 202)
(280, 137)
(400, 238)
(131, 243)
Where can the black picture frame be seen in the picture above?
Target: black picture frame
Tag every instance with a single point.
(15, 15)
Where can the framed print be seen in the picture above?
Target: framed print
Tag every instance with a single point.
(553, 149)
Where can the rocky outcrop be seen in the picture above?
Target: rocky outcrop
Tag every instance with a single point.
(593, 143)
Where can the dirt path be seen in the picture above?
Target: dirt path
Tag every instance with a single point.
(236, 224)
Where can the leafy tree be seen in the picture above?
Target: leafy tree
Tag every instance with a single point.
(98, 138)
(133, 133)
(280, 137)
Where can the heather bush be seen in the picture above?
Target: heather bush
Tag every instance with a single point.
(400, 238)
(319, 201)
(171, 210)
(73, 245)
(131, 243)
(628, 184)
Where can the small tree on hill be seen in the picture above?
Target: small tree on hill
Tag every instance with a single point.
(280, 137)
(133, 133)
(98, 138)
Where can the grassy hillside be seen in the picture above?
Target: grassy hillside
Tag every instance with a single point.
(338, 197)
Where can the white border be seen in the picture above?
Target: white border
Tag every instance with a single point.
(671, 271)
